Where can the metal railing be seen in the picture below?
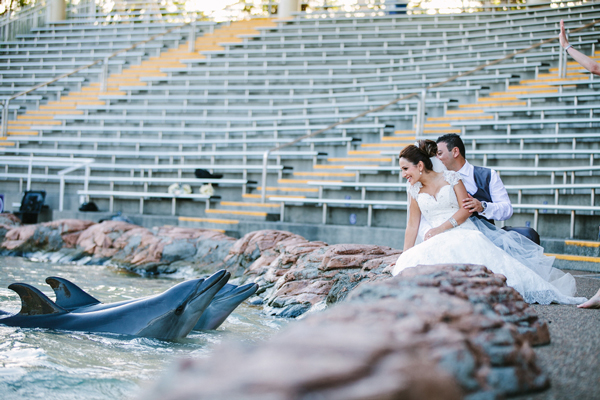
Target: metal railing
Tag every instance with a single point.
(72, 164)
(104, 73)
(82, 163)
(421, 113)
(15, 23)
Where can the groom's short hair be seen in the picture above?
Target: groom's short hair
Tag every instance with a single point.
(452, 140)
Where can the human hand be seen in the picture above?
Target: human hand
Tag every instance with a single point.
(431, 233)
(562, 37)
(472, 205)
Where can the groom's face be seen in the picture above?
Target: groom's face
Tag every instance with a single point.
(444, 155)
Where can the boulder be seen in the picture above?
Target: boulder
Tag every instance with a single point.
(47, 237)
(298, 275)
(160, 250)
(389, 339)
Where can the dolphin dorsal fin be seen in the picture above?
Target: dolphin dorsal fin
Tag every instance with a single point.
(68, 295)
(34, 302)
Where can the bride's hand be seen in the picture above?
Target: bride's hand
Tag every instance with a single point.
(431, 233)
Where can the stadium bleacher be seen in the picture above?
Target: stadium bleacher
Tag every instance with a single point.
(253, 85)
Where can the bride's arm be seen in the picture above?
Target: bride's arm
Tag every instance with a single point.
(412, 226)
(459, 217)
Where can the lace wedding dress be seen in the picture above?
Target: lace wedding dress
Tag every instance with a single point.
(465, 244)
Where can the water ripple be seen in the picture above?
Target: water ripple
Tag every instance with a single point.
(40, 363)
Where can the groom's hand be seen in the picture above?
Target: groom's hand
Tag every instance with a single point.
(472, 205)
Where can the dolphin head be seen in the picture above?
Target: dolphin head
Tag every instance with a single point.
(231, 293)
(179, 318)
(223, 304)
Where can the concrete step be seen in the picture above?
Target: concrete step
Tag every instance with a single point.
(361, 160)
(310, 175)
(258, 195)
(4, 141)
(285, 190)
(244, 205)
(459, 118)
(493, 104)
(574, 254)
(243, 214)
(388, 145)
(226, 226)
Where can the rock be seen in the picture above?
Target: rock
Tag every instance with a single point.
(310, 361)
(300, 274)
(445, 331)
(9, 220)
(488, 290)
(47, 237)
(431, 334)
(259, 247)
(157, 250)
(121, 244)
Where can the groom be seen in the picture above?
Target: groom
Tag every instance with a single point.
(487, 199)
(487, 195)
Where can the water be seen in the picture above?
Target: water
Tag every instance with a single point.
(39, 363)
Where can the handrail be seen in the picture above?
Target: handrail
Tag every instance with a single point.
(84, 163)
(3, 128)
(405, 97)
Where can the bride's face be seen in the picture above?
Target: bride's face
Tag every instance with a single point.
(410, 171)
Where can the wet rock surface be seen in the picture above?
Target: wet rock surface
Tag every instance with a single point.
(389, 339)
(119, 243)
(302, 275)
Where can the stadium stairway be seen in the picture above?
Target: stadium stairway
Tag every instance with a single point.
(89, 95)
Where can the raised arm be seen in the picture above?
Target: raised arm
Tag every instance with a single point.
(412, 226)
(585, 61)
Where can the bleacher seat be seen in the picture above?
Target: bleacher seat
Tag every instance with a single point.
(255, 85)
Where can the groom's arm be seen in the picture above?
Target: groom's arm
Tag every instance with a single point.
(500, 209)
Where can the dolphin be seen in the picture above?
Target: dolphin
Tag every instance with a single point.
(169, 315)
(223, 304)
(71, 297)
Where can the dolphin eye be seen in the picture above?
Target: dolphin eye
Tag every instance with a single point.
(179, 310)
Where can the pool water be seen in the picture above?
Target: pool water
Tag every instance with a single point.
(40, 363)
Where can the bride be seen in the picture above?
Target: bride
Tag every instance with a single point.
(456, 239)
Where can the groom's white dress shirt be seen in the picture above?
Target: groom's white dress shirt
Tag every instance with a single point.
(499, 209)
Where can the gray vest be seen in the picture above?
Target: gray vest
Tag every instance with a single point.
(482, 177)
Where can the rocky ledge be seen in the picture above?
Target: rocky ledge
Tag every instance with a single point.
(409, 337)
(444, 331)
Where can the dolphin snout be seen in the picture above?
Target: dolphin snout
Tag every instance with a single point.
(240, 291)
(219, 278)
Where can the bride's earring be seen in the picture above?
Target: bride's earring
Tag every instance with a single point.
(420, 172)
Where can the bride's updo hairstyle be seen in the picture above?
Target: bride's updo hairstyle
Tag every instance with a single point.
(422, 150)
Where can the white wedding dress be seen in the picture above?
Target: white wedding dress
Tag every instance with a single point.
(465, 244)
